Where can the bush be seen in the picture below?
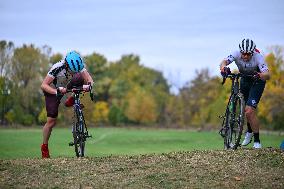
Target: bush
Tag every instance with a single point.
(42, 116)
(115, 115)
(27, 119)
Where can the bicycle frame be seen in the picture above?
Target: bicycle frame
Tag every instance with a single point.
(235, 88)
(79, 113)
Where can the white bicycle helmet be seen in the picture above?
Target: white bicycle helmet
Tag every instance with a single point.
(247, 46)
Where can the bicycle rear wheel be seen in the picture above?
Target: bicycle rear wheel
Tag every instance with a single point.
(234, 121)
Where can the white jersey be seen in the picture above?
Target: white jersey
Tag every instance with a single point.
(256, 63)
(59, 73)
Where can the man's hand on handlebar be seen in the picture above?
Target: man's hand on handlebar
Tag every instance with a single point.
(86, 88)
(225, 71)
(60, 91)
(256, 76)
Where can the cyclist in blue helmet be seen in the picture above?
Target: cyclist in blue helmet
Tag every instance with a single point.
(67, 73)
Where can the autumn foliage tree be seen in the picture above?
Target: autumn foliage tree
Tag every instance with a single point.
(25, 73)
(127, 92)
(271, 107)
(142, 107)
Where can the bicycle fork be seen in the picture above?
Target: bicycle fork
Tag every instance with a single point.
(225, 123)
(83, 136)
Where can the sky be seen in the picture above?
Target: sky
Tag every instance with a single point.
(175, 37)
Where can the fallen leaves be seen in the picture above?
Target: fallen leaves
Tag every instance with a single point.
(195, 169)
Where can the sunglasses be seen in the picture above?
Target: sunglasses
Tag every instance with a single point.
(246, 54)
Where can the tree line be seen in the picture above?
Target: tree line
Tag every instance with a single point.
(127, 93)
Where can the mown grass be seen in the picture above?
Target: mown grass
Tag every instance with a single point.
(25, 143)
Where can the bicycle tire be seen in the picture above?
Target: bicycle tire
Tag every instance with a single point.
(234, 121)
(78, 135)
(227, 131)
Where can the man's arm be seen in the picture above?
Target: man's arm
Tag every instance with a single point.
(87, 77)
(264, 70)
(45, 86)
(223, 64)
(264, 76)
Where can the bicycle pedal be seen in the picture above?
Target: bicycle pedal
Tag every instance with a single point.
(71, 143)
(89, 136)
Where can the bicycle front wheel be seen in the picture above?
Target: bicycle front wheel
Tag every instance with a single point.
(79, 137)
(235, 116)
(79, 144)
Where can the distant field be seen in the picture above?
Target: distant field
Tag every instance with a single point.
(25, 143)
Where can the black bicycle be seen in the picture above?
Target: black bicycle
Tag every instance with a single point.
(79, 128)
(233, 120)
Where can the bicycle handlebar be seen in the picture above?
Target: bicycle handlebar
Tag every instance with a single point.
(79, 90)
(76, 90)
(235, 75)
(230, 75)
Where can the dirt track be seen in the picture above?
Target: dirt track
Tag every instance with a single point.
(197, 169)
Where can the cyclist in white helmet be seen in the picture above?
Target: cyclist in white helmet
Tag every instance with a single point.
(251, 63)
(68, 73)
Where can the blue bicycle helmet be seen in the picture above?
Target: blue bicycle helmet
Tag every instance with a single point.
(74, 61)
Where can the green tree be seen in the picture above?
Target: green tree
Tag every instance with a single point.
(142, 107)
(6, 53)
(197, 96)
(175, 112)
(128, 74)
(55, 58)
(116, 116)
(97, 66)
(29, 65)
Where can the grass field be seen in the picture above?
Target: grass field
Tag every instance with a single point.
(25, 143)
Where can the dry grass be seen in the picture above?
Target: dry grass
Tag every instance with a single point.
(243, 168)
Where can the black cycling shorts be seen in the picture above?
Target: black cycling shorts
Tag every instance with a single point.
(51, 104)
(52, 101)
(252, 91)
